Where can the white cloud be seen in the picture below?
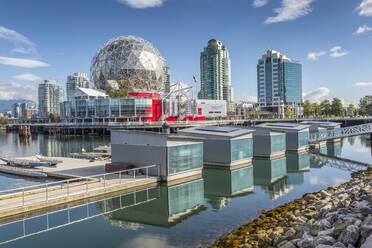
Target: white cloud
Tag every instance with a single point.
(23, 50)
(316, 95)
(363, 29)
(363, 84)
(26, 63)
(14, 91)
(28, 77)
(11, 35)
(336, 52)
(260, 3)
(315, 56)
(290, 10)
(365, 8)
(141, 4)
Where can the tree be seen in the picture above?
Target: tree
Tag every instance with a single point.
(316, 107)
(3, 121)
(351, 110)
(288, 113)
(308, 109)
(369, 109)
(52, 118)
(337, 108)
(325, 108)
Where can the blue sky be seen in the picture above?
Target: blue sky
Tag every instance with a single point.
(45, 39)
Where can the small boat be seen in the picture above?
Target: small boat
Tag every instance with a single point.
(25, 162)
(21, 172)
(52, 161)
(103, 149)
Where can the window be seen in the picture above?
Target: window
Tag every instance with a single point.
(278, 143)
(241, 149)
(184, 158)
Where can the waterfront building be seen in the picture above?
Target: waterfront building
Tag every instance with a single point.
(16, 110)
(28, 110)
(178, 157)
(297, 135)
(224, 147)
(279, 84)
(269, 144)
(50, 96)
(366, 100)
(167, 83)
(75, 81)
(215, 73)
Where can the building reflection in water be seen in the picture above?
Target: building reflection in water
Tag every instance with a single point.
(297, 164)
(271, 176)
(334, 149)
(220, 185)
(174, 205)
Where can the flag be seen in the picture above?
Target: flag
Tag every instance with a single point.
(194, 79)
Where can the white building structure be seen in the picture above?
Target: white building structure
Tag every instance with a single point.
(50, 95)
(75, 81)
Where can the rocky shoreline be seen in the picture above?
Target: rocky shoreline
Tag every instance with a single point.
(335, 217)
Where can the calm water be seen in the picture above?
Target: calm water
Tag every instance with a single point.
(185, 215)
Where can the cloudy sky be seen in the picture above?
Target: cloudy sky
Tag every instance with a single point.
(43, 39)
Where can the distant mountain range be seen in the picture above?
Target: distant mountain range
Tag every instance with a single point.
(7, 104)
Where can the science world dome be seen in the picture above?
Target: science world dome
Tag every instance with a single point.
(128, 63)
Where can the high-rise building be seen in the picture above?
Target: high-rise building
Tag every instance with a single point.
(279, 84)
(28, 110)
(75, 81)
(50, 96)
(215, 73)
(16, 110)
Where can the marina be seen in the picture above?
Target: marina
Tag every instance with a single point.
(77, 184)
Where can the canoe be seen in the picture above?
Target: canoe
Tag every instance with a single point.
(21, 171)
(52, 161)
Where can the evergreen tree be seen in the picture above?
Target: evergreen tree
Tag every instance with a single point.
(337, 108)
(325, 108)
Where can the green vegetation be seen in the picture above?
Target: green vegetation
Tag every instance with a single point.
(327, 109)
(288, 113)
(351, 111)
(117, 94)
(365, 107)
(4, 121)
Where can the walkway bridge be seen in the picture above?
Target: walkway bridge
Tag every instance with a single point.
(341, 133)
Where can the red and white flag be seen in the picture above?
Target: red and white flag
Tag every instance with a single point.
(194, 79)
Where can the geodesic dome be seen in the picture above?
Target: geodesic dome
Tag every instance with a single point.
(128, 62)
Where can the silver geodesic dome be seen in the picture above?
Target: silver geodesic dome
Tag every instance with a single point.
(128, 62)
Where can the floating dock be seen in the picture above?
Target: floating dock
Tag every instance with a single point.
(81, 180)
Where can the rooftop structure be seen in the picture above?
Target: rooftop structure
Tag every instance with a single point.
(129, 63)
(225, 147)
(177, 156)
(269, 144)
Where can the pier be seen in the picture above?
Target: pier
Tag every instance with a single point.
(82, 184)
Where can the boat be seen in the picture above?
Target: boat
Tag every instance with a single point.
(21, 172)
(24, 162)
(53, 161)
(103, 149)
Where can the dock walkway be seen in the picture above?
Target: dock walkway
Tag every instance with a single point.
(27, 199)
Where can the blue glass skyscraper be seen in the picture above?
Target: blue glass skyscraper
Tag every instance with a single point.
(279, 84)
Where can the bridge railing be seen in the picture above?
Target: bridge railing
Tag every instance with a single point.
(341, 133)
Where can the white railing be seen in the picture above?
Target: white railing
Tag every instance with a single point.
(342, 132)
(18, 229)
(20, 197)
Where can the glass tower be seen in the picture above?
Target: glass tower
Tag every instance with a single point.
(77, 80)
(215, 73)
(279, 83)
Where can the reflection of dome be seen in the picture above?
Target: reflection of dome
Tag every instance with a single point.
(128, 62)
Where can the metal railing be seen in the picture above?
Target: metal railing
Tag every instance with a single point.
(341, 133)
(19, 229)
(20, 197)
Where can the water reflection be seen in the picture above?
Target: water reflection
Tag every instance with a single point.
(297, 165)
(222, 184)
(334, 149)
(174, 205)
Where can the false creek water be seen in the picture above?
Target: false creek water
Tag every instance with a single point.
(186, 215)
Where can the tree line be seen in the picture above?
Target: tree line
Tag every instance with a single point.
(335, 107)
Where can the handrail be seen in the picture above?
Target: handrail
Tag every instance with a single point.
(74, 179)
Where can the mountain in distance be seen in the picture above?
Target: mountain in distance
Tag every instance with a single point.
(7, 104)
